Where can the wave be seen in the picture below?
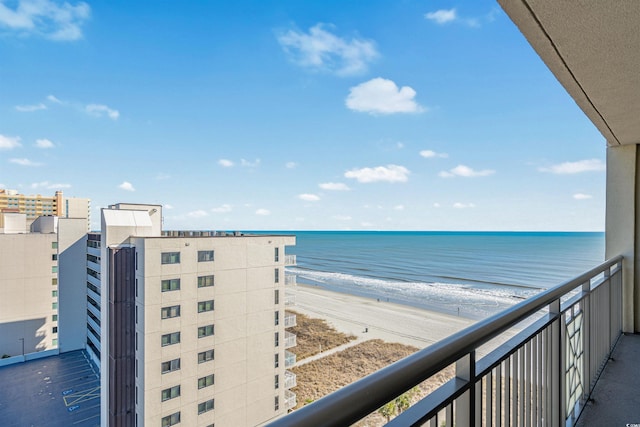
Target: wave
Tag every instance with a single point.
(476, 301)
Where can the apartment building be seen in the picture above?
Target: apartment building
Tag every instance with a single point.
(192, 324)
(41, 284)
(37, 205)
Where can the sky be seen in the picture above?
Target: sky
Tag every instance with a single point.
(295, 115)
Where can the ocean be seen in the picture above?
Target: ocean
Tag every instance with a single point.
(471, 274)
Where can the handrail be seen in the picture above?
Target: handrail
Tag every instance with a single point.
(353, 402)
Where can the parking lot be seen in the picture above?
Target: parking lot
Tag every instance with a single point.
(56, 391)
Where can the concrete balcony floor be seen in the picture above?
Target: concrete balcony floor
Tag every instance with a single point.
(615, 397)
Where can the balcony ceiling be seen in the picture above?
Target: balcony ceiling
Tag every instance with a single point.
(593, 48)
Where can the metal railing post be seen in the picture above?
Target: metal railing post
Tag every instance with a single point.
(465, 404)
(557, 354)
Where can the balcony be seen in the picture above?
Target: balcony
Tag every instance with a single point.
(289, 380)
(543, 374)
(289, 260)
(290, 280)
(289, 359)
(289, 299)
(289, 339)
(290, 400)
(289, 320)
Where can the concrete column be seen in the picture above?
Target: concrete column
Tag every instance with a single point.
(620, 225)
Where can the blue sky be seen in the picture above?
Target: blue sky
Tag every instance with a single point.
(397, 115)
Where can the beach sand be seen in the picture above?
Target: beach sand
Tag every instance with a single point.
(369, 318)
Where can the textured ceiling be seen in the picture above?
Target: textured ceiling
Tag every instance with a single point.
(593, 48)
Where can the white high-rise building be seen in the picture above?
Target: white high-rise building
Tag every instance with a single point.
(192, 324)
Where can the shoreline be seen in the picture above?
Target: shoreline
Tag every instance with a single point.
(369, 318)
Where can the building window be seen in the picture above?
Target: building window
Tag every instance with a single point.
(54, 281)
(170, 366)
(204, 281)
(205, 381)
(276, 296)
(277, 339)
(171, 257)
(54, 257)
(205, 356)
(204, 256)
(277, 275)
(205, 331)
(276, 360)
(54, 330)
(276, 317)
(170, 285)
(54, 318)
(54, 293)
(276, 253)
(276, 382)
(54, 305)
(54, 342)
(169, 339)
(205, 406)
(54, 268)
(170, 393)
(54, 245)
(169, 312)
(276, 405)
(171, 420)
(205, 306)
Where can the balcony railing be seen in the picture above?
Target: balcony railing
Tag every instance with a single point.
(289, 380)
(289, 359)
(290, 400)
(289, 260)
(543, 375)
(289, 320)
(290, 280)
(289, 299)
(289, 339)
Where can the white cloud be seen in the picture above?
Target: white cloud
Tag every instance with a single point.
(309, 197)
(30, 108)
(442, 16)
(430, 154)
(127, 186)
(566, 168)
(322, 50)
(9, 142)
(341, 217)
(466, 172)
(45, 18)
(334, 186)
(49, 186)
(249, 164)
(222, 209)
(197, 214)
(389, 173)
(366, 224)
(459, 205)
(382, 96)
(24, 162)
(99, 110)
(168, 206)
(398, 207)
(225, 163)
(291, 165)
(44, 143)
(582, 196)
(263, 212)
(53, 99)
(436, 205)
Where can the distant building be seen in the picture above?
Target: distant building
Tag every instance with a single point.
(41, 284)
(37, 205)
(188, 327)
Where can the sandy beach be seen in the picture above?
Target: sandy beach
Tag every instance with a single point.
(368, 318)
